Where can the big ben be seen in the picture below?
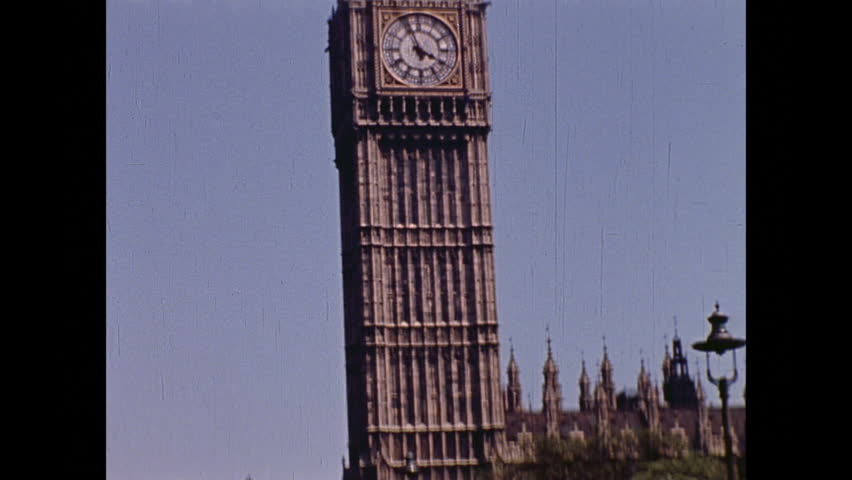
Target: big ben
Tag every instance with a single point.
(410, 109)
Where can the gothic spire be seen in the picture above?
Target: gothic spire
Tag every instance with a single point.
(513, 387)
(551, 393)
(667, 359)
(606, 366)
(513, 366)
(586, 400)
(643, 383)
(606, 378)
(549, 364)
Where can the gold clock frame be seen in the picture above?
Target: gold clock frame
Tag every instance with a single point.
(388, 82)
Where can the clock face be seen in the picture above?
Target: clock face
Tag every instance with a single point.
(419, 49)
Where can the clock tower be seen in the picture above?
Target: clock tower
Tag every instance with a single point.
(410, 107)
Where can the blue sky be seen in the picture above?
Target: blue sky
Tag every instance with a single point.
(617, 163)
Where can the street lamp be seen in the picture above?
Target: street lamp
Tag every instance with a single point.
(411, 469)
(720, 341)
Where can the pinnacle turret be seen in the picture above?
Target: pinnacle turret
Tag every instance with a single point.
(551, 393)
(643, 383)
(513, 387)
(606, 379)
(549, 364)
(586, 400)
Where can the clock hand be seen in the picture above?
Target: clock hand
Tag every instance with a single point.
(429, 54)
(420, 52)
(411, 32)
(437, 59)
(418, 49)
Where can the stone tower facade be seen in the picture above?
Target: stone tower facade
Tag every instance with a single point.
(410, 105)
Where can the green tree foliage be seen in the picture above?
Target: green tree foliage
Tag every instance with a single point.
(687, 468)
(642, 456)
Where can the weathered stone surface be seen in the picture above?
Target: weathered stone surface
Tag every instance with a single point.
(420, 319)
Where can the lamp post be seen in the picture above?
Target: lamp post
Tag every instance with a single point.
(720, 341)
(411, 469)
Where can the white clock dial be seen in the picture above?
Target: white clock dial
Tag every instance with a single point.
(419, 49)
